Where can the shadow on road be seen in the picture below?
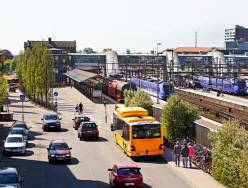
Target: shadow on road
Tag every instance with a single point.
(149, 159)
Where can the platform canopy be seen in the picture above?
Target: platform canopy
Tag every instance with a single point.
(80, 76)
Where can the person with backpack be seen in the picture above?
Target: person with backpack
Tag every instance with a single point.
(77, 110)
(177, 153)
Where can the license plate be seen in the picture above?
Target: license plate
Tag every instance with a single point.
(129, 183)
(52, 126)
(141, 153)
(60, 158)
(89, 131)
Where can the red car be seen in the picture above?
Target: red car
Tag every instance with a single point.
(12, 87)
(125, 175)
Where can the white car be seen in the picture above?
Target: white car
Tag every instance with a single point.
(14, 144)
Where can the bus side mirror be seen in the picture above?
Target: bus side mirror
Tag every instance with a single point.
(111, 127)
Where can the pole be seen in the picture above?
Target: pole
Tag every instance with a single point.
(139, 73)
(22, 112)
(158, 74)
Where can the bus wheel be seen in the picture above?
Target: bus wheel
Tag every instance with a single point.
(124, 151)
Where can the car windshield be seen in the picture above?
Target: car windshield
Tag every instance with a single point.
(8, 178)
(20, 125)
(146, 131)
(89, 125)
(82, 118)
(14, 139)
(51, 117)
(128, 171)
(18, 132)
(60, 146)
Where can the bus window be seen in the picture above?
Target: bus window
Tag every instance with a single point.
(146, 131)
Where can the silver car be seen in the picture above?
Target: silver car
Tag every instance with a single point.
(14, 144)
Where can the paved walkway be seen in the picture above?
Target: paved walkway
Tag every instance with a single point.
(195, 175)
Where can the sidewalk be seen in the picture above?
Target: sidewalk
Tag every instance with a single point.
(194, 174)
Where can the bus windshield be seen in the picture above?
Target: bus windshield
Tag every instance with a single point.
(146, 131)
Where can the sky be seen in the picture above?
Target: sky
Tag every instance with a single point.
(137, 25)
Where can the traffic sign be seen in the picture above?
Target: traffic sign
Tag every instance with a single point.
(105, 100)
(22, 97)
(55, 94)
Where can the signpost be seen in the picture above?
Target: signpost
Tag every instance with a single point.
(56, 104)
(105, 101)
(22, 98)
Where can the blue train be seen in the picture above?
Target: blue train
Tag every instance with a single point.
(237, 87)
(150, 86)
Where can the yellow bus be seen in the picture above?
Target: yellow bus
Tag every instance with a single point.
(12, 79)
(137, 133)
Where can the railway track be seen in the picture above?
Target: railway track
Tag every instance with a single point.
(214, 111)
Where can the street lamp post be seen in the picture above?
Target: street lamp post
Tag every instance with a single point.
(172, 69)
(158, 74)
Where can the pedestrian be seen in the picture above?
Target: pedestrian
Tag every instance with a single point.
(177, 152)
(81, 107)
(77, 110)
(218, 93)
(71, 85)
(185, 154)
(191, 153)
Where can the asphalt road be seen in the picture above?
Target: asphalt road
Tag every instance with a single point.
(91, 159)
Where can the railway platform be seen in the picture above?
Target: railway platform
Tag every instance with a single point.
(231, 101)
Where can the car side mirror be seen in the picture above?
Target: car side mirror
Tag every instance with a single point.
(73, 119)
(48, 149)
(21, 180)
(110, 169)
(70, 148)
(60, 118)
(139, 168)
(111, 127)
(41, 119)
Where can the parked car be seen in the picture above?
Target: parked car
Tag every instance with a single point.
(14, 144)
(58, 150)
(51, 121)
(125, 175)
(88, 130)
(21, 124)
(9, 176)
(78, 119)
(20, 131)
(12, 87)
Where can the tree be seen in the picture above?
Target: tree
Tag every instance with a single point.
(106, 49)
(11, 64)
(89, 51)
(229, 154)
(178, 118)
(138, 99)
(3, 82)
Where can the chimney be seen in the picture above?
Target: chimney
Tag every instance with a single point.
(49, 40)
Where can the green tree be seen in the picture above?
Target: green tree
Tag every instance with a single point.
(138, 99)
(178, 118)
(230, 154)
(106, 49)
(11, 64)
(89, 51)
(3, 82)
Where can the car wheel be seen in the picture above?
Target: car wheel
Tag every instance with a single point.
(80, 138)
(97, 137)
(59, 129)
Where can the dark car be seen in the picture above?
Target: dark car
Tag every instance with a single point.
(21, 131)
(59, 151)
(88, 130)
(78, 119)
(10, 176)
(21, 124)
(12, 87)
(125, 175)
(51, 121)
